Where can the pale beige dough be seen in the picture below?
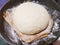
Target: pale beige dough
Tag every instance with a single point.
(31, 18)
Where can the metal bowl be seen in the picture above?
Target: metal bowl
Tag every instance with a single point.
(10, 36)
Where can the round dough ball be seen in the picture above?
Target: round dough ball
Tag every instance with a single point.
(30, 18)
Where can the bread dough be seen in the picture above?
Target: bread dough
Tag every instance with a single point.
(47, 22)
(30, 18)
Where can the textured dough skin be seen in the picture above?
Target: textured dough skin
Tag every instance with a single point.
(31, 18)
